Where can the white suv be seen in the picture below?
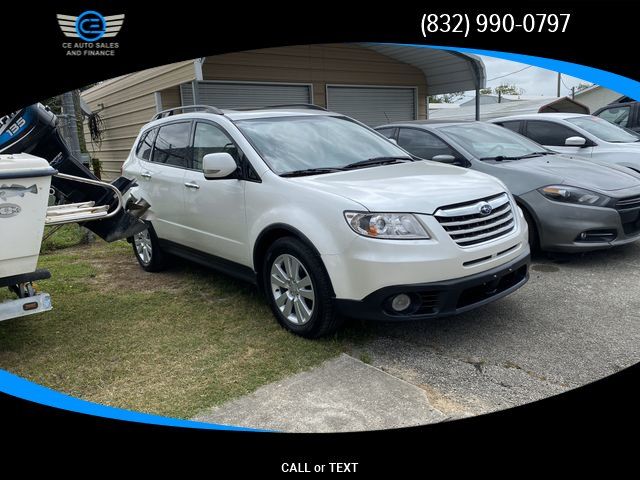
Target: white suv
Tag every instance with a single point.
(328, 217)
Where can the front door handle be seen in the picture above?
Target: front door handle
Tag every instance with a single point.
(146, 175)
(192, 185)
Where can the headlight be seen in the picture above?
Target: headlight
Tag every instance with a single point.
(386, 225)
(580, 196)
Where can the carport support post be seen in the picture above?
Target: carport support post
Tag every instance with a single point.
(477, 103)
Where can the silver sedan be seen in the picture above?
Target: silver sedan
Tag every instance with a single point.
(570, 204)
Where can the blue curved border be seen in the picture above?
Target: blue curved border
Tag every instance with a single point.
(19, 387)
(617, 83)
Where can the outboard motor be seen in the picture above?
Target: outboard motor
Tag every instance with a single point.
(34, 130)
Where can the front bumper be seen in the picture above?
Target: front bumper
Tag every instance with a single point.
(440, 299)
(560, 225)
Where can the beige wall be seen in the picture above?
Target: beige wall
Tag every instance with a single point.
(319, 65)
(129, 101)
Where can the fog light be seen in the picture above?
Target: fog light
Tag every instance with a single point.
(401, 302)
(583, 236)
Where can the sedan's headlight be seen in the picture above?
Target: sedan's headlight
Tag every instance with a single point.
(386, 225)
(567, 194)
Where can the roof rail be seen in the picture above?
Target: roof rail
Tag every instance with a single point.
(309, 106)
(172, 111)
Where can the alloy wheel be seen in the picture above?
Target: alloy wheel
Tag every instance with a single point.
(292, 289)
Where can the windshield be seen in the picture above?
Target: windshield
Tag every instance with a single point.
(488, 141)
(603, 130)
(290, 144)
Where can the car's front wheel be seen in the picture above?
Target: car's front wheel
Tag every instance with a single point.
(147, 250)
(299, 289)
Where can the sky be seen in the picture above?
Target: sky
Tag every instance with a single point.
(533, 80)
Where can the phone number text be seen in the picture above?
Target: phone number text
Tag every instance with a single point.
(465, 24)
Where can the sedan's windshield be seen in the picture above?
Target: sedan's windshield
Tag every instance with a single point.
(486, 141)
(317, 144)
(603, 130)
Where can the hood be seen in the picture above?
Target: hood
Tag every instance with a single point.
(418, 187)
(575, 171)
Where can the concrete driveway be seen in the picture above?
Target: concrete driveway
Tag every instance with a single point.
(576, 321)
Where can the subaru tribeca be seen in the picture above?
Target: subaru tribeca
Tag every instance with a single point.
(326, 216)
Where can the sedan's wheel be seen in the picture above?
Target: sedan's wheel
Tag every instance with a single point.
(144, 249)
(292, 289)
(298, 289)
(147, 250)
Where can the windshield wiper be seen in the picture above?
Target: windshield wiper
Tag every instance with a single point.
(310, 171)
(376, 161)
(500, 158)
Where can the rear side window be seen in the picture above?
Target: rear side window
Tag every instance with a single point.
(513, 126)
(387, 132)
(549, 133)
(172, 145)
(143, 150)
(422, 144)
(211, 139)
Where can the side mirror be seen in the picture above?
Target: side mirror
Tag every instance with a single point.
(218, 165)
(450, 159)
(575, 142)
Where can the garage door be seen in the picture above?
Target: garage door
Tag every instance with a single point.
(245, 95)
(373, 105)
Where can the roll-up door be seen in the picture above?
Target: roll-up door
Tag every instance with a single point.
(245, 95)
(373, 105)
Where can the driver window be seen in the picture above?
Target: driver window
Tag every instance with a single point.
(211, 139)
(549, 133)
(423, 144)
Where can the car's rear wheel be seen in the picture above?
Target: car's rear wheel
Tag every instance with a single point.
(147, 250)
(299, 289)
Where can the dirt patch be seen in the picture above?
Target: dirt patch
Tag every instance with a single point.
(119, 271)
(443, 403)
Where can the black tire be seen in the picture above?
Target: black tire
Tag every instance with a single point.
(323, 319)
(534, 239)
(157, 260)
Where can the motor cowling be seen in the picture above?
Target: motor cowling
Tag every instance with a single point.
(34, 130)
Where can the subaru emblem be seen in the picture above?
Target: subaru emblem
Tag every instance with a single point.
(485, 209)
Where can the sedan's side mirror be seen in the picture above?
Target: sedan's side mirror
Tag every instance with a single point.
(575, 142)
(218, 165)
(450, 159)
(393, 140)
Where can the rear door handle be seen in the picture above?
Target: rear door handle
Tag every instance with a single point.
(192, 185)
(146, 175)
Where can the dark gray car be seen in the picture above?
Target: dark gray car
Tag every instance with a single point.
(570, 204)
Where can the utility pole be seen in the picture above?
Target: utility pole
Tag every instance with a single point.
(573, 93)
(69, 125)
(559, 80)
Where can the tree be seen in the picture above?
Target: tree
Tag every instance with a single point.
(582, 86)
(504, 89)
(446, 97)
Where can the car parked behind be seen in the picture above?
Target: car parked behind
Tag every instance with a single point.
(623, 114)
(571, 204)
(325, 215)
(578, 134)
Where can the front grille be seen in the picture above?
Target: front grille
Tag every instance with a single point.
(626, 203)
(468, 226)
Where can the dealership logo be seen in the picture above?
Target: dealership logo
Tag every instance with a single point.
(485, 209)
(92, 31)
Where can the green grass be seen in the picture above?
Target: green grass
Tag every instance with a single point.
(66, 236)
(172, 343)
